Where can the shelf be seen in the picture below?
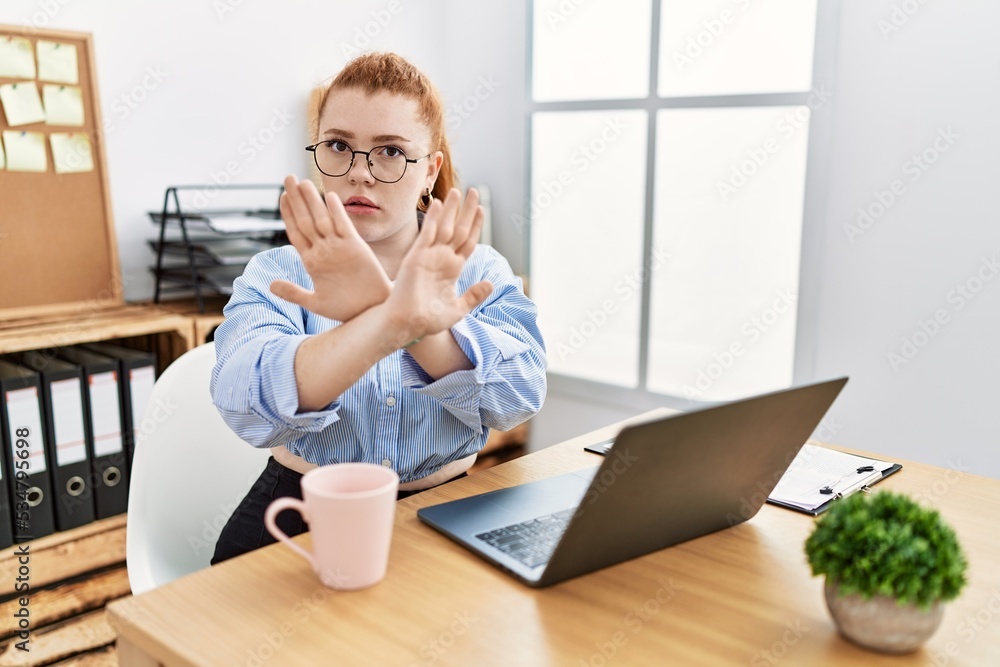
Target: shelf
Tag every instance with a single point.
(215, 251)
(189, 259)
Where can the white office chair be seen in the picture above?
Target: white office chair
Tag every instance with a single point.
(189, 472)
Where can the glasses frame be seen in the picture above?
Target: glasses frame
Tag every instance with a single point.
(368, 161)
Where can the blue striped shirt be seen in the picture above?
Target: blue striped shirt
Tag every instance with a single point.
(395, 414)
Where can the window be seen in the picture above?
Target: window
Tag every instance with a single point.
(668, 153)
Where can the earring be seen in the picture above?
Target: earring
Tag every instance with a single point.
(425, 200)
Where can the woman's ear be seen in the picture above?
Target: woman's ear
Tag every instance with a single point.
(434, 168)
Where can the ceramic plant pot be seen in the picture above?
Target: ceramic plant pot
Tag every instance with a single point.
(880, 624)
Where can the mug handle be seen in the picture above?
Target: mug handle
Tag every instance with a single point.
(269, 520)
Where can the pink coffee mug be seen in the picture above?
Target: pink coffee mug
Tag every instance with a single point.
(350, 508)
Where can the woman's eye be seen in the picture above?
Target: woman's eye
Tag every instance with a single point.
(338, 146)
(390, 151)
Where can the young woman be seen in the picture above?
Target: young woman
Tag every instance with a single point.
(384, 334)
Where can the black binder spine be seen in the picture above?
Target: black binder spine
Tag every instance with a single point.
(138, 373)
(102, 418)
(28, 475)
(69, 457)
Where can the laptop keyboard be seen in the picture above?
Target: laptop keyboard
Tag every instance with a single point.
(531, 542)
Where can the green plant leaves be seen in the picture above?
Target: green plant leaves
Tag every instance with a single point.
(889, 545)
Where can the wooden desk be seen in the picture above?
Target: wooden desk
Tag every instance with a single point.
(741, 596)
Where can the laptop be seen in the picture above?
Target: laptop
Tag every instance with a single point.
(661, 483)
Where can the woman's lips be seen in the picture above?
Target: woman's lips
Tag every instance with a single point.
(360, 205)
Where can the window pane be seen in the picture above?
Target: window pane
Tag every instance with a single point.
(588, 187)
(736, 46)
(598, 49)
(729, 193)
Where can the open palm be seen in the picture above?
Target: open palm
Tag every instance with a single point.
(423, 300)
(347, 277)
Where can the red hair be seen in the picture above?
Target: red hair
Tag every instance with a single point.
(390, 73)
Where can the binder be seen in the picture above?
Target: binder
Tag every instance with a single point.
(819, 476)
(28, 477)
(6, 493)
(138, 374)
(66, 444)
(103, 423)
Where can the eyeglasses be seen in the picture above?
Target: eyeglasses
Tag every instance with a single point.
(385, 163)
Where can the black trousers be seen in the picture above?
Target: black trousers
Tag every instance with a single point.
(245, 530)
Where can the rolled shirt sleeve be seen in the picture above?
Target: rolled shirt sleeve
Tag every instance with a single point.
(506, 385)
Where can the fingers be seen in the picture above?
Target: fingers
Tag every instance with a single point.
(466, 219)
(317, 208)
(429, 229)
(475, 230)
(295, 235)
(446, 225)
(476, 294)
(300, 209)
(291, 292)
(342, 224)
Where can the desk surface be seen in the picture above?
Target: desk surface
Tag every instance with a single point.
(740, 596)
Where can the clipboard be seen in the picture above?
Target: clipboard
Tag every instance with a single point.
(839, 475)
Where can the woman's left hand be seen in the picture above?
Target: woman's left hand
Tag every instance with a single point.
(423, 300)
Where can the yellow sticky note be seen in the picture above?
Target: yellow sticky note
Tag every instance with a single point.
(21, 103)
(71, 153)
(57, 62)
(63, 105)
(16, 59)
(25, 151)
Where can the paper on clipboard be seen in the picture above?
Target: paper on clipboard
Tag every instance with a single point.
(817, 467)
(16, 58)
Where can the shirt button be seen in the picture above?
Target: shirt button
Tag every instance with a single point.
(391, 401)
(386, 462)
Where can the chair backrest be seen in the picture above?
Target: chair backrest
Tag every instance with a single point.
(189, 472)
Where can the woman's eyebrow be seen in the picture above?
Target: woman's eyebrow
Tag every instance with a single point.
(350, 135)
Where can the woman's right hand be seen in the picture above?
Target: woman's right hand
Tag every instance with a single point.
(347, 277)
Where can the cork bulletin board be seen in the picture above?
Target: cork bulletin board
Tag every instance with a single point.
(58, 250)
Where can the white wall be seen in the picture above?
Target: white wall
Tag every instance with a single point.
(892, 97)
(223, 76)
(185, 86)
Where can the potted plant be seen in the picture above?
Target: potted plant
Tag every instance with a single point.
(889, 565)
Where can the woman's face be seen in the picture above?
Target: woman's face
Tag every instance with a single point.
(379, 210)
